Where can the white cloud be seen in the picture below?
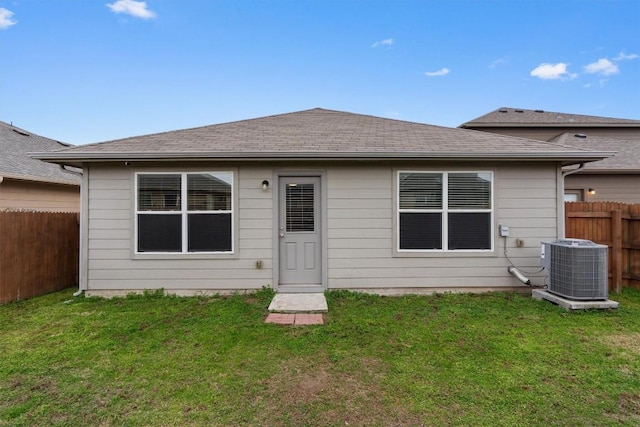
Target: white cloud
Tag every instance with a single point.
(603, 67)
(552, 72)
(385, 42)
(132, 7)
(622, 57)
(440, 72)
(497, 62)
(5, 19)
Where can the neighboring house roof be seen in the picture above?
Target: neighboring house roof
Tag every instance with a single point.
(626, 159)
(322, 134)
(15, 162)
(518, 117)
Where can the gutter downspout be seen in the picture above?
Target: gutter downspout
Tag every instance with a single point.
(82, 215)
(565, 174)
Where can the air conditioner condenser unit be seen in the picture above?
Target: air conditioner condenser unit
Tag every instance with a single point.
(578, 269)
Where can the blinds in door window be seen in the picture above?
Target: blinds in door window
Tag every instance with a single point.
(300, 207)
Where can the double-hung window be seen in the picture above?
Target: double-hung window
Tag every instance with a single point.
(184, 212)
(445, 211)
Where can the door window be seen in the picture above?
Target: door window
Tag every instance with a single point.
(300, 212)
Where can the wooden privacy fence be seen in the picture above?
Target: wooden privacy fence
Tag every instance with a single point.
(616, 225)
(38, 253)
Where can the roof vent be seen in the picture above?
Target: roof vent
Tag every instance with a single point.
(20, 132)
(503, 110)
(519, 111)
(539, 111)
(580, 135)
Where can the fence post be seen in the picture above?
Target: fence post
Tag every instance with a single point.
(616, 249)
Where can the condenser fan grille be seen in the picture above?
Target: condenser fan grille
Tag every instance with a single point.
(578, 269)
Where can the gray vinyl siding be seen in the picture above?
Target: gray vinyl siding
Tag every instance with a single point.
(360, 232)
(112, 264)
(623, 188)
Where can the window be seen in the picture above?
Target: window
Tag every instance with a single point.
(445, 211)
(300, 204)
(573, 195)
(184, 212)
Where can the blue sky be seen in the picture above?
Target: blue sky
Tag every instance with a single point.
(83, 71)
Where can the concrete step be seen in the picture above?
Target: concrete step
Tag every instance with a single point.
(299, 303)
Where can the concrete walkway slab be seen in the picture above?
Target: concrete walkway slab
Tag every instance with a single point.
(569, 304)
(298, 303)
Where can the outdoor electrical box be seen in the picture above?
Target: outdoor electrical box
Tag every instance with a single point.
(504, 230)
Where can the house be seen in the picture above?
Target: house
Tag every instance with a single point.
(316, 200)
(614, 179)
(27, 183)
(546, 125)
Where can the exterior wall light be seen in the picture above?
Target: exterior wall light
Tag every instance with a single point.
(265, 185)
(592, 191)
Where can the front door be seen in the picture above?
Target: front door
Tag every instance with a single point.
(300, 234)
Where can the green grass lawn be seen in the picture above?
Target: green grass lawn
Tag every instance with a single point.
(491, 359)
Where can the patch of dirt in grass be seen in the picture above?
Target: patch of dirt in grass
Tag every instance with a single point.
(13, 388)
(630, 405)
(628, 342)
(45, 386)
(321, 394)
(628, 409)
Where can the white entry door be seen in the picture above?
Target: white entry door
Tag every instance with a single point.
(300, 234)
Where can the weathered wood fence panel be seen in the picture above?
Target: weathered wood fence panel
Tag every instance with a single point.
(616, 225)
(38, 253)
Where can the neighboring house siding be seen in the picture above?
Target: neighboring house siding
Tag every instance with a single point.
(360, 209)
(623, 188)
(17, 194)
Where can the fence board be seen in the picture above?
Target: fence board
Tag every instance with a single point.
(616, 225)
(38, 253)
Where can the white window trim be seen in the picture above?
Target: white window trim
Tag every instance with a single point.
(444, 211)
(184, 212)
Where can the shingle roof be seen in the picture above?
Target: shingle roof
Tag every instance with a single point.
(16, 143)
(626, 159)
(518, 117)
(316, 134)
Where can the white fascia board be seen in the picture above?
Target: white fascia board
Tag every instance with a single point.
(98, 156)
